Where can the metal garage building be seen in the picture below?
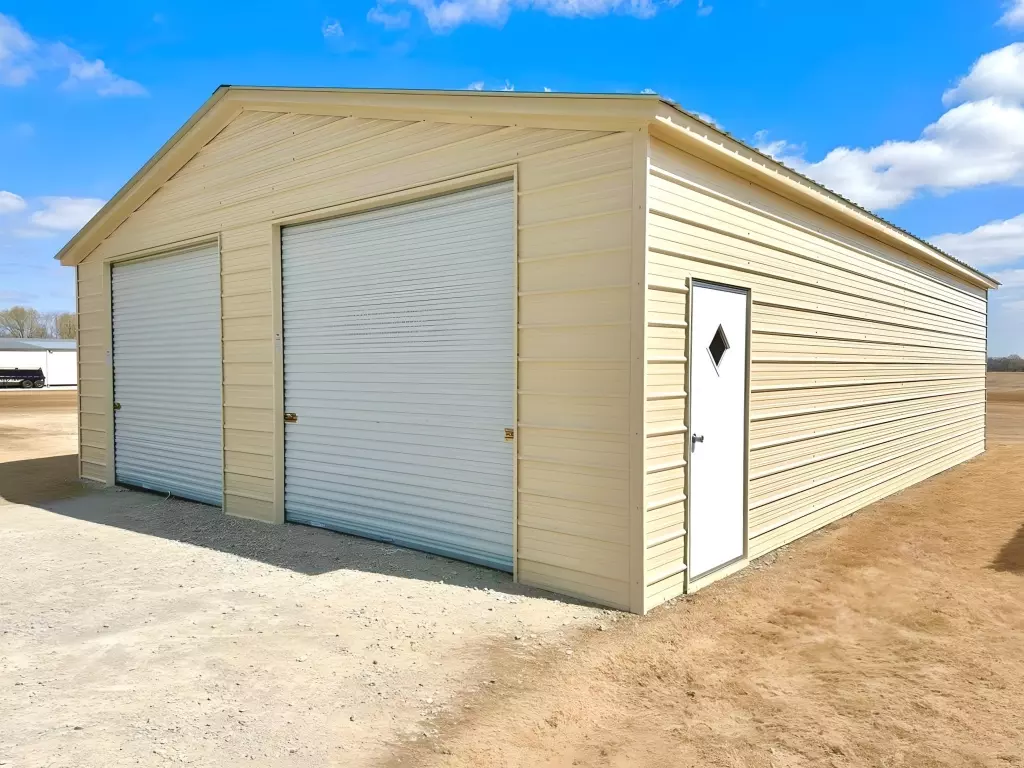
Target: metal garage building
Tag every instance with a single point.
(57, 358)
(590, 340)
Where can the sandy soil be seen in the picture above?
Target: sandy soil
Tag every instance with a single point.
(136, 630)
(35, 423)
(892, 638)
(1005, 408)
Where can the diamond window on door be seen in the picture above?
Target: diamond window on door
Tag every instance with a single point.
(718, 347)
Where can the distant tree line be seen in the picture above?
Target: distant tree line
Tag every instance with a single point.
(28, 323)
(1011, 363)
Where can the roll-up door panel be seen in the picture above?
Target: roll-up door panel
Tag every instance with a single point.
(399, 366)
(167, 374)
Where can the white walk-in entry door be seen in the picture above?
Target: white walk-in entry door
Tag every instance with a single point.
(167, 374)
(718, 427)
(399, 374)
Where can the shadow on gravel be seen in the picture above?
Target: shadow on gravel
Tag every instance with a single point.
(1011, 556)
(52, 484)
(37, 481)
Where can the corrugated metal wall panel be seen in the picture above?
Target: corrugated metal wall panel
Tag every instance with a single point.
(867, 370)
(399, 362)
(574, 273)
(167, 374)
(665, 428)
(93, 313)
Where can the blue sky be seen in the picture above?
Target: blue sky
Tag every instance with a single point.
(915, 109)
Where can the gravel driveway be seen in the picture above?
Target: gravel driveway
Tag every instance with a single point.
(143, 631)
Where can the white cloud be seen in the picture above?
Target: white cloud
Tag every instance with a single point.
(46, 216)
(999, 75)
(11, 203)
(546, 89)
(649, 91)
(15, 49)
(17, 296)
(446, 15)
(95, 75)
(704, 10)
(479, 85)
(780, 149)
(709, 119)
(1014, 16)
(998, 242)
(26, 233)
(332, 28)
(1010, 278)
(23, 58)
(1014, 307)
(979, 141)
(399, 20)
(65, 213)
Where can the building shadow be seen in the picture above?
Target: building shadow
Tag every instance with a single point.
(52, 484)
(38, 481)
(1011, 556)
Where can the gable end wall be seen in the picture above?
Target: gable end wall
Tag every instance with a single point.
(575, 255)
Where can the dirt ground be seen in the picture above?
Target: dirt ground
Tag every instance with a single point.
(138, 631)
(1005, 407)
(893, 638)
(36, 423)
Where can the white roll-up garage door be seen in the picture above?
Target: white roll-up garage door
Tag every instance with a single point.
(167, 374)
(399, 367)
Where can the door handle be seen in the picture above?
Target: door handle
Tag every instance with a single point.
(694, 439)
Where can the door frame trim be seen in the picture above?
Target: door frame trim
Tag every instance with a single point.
(692, 583)
(412, 194)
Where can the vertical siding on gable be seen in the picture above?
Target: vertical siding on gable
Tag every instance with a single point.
(867, 368)
(574, 241)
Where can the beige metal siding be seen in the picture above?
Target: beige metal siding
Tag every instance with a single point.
(94, 394)
(574, 312)
(867, 367)
(574, 244)
(665, 429)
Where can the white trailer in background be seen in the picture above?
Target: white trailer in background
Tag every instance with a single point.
(57, 358)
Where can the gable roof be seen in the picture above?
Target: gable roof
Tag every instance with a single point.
(665, 119)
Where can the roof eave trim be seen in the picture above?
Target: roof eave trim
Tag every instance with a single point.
(665, 120)
(81, 245)
(705, 141)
